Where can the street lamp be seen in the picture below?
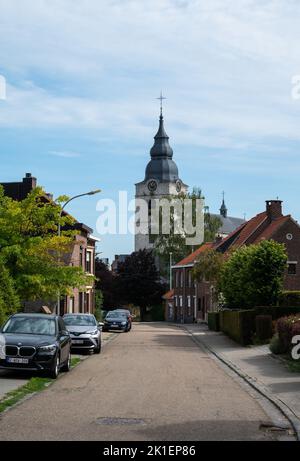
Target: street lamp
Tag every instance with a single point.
(93, 192)
(171, 281)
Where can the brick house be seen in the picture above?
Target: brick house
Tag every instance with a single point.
(83, 254)
(193, 300)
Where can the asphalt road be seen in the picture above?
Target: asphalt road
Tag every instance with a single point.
(153, 383)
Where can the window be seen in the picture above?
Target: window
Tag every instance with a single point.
(89, 262)
(71, 305)
(81, 300)
(292, 268)
(180, 301)
(189, 301)
(190, 278)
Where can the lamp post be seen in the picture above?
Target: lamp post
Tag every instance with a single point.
(93, 192)
(171, 279)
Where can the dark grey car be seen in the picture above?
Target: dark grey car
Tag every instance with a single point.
(85, 331)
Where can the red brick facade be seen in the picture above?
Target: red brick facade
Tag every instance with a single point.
(192, 300)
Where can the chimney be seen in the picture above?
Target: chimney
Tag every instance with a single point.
(274, 209)
(218, 239)
(30, 181)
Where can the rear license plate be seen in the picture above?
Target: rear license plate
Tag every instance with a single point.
(13, 360)
(77, 341)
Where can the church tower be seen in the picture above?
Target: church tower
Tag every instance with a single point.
(161, 178)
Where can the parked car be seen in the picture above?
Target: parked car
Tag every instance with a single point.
(117, 321)
(85, 331)
(36, 342)
(126, 312)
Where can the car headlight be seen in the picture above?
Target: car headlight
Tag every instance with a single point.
(92, 332)
(51, 349)
(123, 323)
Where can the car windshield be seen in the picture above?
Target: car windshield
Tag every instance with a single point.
(114, 315)
(80, 320)
(30, 326)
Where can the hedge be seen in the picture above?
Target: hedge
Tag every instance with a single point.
(289, 299)
(277, 311)
(263, 327)
(238, 325)
(214, 321)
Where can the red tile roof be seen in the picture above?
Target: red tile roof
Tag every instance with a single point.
(242, 235)
(193, 256)
(251, 226)
(271, 229)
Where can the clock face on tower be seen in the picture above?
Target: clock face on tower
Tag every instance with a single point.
(152, 185)
(178, 186)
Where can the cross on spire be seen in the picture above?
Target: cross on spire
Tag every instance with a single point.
(161, 98)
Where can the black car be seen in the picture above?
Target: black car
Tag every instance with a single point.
(116, 320)
(36, 342)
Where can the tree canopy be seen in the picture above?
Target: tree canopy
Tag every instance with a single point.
(138, 281)
(36, 259)
(176, 243)
(253, 275)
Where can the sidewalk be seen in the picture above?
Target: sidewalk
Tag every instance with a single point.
(257, 366)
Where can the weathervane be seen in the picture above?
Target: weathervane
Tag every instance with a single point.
(161, 98)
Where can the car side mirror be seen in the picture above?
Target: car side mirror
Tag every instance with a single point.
(100, 324)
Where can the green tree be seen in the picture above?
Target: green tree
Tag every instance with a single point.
(98, 305)
(9, 301)
(176, 243)
(212, 224)
(253, 275)
(36, 258)
(138, 281)
(208, 267)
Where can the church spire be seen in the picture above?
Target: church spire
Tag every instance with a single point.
(161, 148)
(161, 166)
(223, 209)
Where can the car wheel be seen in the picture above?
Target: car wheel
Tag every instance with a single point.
(54, 372)
(97, 350)
(67, 365)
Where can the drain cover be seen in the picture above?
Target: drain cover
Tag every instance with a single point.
(120, 421)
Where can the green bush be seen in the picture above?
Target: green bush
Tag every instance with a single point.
(238, 325)
(214, 321)
(277, 311)
(263, 327)
(287, 327)
(276, 346)
(289, 299)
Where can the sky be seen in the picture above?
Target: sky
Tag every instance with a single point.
(82, 78)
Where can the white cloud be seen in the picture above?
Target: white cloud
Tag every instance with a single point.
(225, 66)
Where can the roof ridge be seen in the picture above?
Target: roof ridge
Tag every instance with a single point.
(256, 228)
